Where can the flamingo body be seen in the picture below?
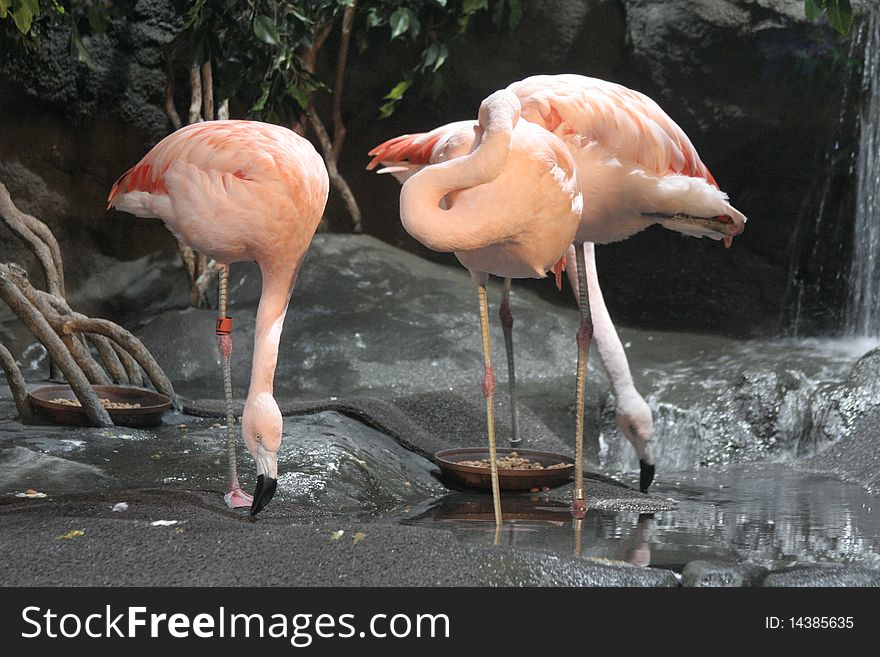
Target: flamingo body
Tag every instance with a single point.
(239, 191)
(233, 190)
(636, 166)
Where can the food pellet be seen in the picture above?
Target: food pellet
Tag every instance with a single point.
(513, 461)
(106, 403)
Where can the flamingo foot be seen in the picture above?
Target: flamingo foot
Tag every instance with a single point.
(236, 498)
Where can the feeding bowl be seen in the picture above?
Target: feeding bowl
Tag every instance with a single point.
(149, 414)
(470, 476)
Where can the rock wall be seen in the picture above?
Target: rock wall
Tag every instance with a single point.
(749, 80)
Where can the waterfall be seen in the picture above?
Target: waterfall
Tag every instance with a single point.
(862, 316)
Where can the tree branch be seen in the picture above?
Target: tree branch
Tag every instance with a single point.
(132, 369)
(195, 105)
(335, 177)
(208, 91)
(338, 125)
(39, 239)
(130, 343)
(111, 361)
(168, 57)
(40, 328)
(17, 385)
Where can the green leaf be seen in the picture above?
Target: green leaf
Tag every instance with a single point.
(399, 21)
(77, 50)
(442, 3)
(441, 56)
(261, 101)
(811, 9)
(300, 95)
(23, 18)
(4, 7)
(387, 109)
(840, 15)
(430, 55)
(398, 90)
(266, 31)
(473, 6)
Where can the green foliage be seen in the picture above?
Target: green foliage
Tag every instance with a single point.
(839, 13)
(82, 17)
(261, 49)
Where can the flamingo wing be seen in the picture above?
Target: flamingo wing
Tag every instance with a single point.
(245, 150)
(624, 122)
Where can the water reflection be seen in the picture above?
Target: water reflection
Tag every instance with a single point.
(769, 515)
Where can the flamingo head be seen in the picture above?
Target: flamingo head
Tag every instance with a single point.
(261, 427)
(637, 424)
(500, 111)
(723, 225)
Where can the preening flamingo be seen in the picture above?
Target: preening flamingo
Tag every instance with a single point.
(238, 191)
(406, 155)
(509, 208)
(636, 167)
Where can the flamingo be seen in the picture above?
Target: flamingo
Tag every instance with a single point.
(406, 155)
(636, 167)
(238, 191)
(510, 207)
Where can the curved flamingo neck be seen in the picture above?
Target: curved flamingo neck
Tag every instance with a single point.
(449, 229)
(275, 296)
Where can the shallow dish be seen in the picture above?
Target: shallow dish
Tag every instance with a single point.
(471, 476)
(152, 405)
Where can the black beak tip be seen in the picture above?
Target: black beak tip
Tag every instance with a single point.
(646, 475)
(263, 493)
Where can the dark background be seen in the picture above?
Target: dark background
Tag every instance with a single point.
(758, 88)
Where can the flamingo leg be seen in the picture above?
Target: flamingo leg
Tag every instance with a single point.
(507, 326)
(489, 394)
(235, 497)
(584, 336)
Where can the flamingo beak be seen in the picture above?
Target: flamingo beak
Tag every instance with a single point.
(646, 475)
(267, 478)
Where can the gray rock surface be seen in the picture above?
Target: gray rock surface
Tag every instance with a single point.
(23, 468)
(720, 574)
(855, 457)
(825, 576)
(205, 546)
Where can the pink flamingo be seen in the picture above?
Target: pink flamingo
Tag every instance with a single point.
(636, 167)
(238, 191)
(510, 207)
(406, 155)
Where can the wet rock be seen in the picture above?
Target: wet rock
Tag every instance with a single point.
(206, 544)
(366, 318)
(22, 468)
(855, 457)
(825, 576)
(721, 574)
(513, 568)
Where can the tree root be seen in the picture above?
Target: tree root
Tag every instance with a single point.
(65, 333)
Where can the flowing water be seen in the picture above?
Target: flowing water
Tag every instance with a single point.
(842, 227)
(863, 304)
